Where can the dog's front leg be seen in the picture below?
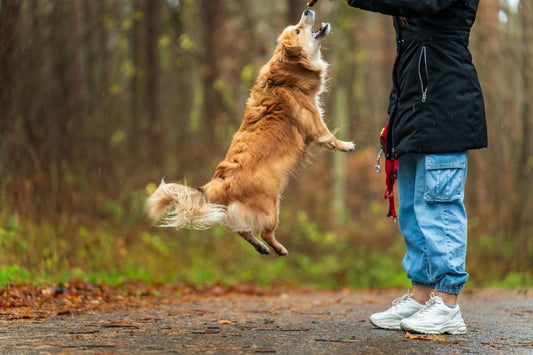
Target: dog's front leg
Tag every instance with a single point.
(327, 139)
(330, 142)
(260, 247)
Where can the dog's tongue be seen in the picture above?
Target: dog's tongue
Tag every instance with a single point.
(322, 31)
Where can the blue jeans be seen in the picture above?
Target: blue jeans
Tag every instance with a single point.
(432, 219)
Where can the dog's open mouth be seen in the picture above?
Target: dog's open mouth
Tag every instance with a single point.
(322, 31)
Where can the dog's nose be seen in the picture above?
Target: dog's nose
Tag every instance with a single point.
(308, 12)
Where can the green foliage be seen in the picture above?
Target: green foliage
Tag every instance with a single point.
(514, 280)
(363, 252)
(11, 236)
(14, 274)
(322, 258)
(155, 242)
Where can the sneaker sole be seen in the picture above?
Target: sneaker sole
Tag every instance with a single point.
(452, 329)
(387, 326)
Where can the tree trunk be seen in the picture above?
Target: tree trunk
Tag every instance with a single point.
(489, 164)
(9, 85)
(155, 129)
(525, 165)
(294, 11)
(339, 158)
(138, 108)
(212, 12)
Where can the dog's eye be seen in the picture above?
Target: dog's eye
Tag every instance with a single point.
(297, 31)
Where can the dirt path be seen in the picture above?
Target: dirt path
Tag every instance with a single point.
(282, 322)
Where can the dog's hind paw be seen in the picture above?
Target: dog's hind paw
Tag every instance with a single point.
(262, 249)
(282, 251)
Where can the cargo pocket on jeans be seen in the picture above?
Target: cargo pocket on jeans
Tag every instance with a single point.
(445, 177)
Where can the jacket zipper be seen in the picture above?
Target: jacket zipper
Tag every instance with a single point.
(423, 74)
(392, 153)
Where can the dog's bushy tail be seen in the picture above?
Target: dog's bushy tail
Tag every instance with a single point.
(180, 206)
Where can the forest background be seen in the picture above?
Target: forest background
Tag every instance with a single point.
(101, 99)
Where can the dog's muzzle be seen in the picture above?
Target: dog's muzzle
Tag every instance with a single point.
(308, 16)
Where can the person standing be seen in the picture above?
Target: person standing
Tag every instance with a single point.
(436, 115)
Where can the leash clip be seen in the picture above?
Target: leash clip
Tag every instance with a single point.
(377, 166)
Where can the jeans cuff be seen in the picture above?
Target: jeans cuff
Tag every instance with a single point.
(454, 290)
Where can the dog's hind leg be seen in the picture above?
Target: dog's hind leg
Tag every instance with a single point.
(268, 236)
(258, 245)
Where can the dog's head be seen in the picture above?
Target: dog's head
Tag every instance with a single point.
(300, 43)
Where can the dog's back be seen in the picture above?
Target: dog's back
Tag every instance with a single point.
(262, 154)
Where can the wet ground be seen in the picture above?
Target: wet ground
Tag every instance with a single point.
(282, 322)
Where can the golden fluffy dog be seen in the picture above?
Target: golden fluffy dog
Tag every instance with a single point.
(282, 118)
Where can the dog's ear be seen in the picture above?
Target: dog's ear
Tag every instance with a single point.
(292, 52)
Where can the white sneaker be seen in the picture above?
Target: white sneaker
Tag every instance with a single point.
(402, 307)
(435, 318)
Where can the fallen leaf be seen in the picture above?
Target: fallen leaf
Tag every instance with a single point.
(47, 291)
(225, 321)
(424, 337)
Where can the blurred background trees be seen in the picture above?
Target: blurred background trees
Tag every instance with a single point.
(101, 99)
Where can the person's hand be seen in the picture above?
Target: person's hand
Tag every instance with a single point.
(310, 3)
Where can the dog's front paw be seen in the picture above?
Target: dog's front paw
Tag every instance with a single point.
(346, 146)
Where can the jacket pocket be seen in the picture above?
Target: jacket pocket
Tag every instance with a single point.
(445, 177)
(423, 73)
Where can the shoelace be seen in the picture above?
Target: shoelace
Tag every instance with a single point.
(401, 299)
(429, 304)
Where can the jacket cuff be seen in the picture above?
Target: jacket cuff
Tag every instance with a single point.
(362, 4)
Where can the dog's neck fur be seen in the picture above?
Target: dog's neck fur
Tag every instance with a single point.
(282, 72)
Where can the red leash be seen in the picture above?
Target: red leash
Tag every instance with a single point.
(391, 174)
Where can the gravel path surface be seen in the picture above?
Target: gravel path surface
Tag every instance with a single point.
(284, 322)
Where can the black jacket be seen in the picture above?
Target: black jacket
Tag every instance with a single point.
(436, 104)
